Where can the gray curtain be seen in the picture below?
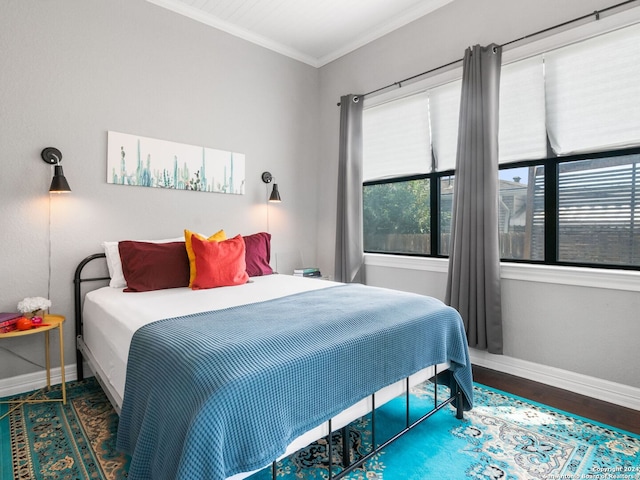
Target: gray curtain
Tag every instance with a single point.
(349, 265)
(473, 283)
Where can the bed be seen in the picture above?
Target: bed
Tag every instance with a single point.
(219, 383)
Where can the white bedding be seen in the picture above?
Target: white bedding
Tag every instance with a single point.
(111, 316)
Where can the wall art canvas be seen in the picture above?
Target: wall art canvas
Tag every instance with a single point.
(149, 162)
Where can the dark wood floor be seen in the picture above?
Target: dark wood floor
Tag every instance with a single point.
(614, 415)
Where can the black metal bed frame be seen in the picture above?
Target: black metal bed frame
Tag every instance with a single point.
(77, 297)
(347, 465)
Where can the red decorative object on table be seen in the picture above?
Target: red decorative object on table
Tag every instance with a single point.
(24, 324)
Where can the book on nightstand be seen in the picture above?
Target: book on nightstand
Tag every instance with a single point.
(307, 272)
(8, 321)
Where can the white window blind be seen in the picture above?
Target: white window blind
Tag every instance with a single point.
(522, 133)
(585, 97)
(396, 138)
(444, 104)
(593, 93)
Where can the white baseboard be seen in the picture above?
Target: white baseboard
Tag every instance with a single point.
(616, 393)
(33, 381)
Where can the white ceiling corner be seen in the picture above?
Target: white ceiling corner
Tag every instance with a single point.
(315, 32)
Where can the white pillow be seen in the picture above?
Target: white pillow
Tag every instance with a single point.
(114, 264)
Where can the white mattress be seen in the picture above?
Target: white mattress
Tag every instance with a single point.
(111, 316)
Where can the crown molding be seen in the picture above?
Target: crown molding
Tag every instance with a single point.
(393, 24)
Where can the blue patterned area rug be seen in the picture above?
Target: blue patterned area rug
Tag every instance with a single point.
(56, 441)
(503, 437)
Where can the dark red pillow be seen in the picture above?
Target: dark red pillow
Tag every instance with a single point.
(258, 254)
(154, 266)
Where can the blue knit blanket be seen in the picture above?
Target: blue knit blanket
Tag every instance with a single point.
(217, 393)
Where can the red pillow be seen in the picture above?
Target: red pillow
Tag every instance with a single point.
(258, 254)
(154, 266)
(219, 264)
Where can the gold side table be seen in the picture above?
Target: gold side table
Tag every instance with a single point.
(51, 322)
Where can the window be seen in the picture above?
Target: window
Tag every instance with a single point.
(445, 203)
(599, 210)
(592, 93)
(444, 105)
(397, 131)
(569, 173)
(521, 213)
(397, 217)
(522, 131)
(591, 211)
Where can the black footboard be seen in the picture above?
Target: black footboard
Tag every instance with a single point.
(455, 397)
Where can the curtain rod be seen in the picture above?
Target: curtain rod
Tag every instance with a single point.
(595, 14)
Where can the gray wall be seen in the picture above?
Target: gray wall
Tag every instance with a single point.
(551, 322)
(72, 70)
(580, 329)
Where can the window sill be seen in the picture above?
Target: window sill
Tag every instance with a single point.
(584, 277)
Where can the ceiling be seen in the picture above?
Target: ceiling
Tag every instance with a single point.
(315, 32)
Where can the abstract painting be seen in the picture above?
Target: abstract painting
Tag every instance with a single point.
(149, 162)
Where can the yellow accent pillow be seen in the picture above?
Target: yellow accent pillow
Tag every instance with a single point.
(216, 237)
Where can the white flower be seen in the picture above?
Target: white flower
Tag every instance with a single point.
(32, 304)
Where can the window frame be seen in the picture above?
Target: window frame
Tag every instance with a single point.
(551, 203)
(434, 205)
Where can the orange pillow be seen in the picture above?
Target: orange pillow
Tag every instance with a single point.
(219, 264)
(216, 237)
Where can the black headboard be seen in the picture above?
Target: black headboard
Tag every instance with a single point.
(77, 295)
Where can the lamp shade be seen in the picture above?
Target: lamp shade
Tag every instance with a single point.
(59, 183)
(275, 194)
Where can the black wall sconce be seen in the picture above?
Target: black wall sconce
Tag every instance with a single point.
(275, 194)
(59, 184)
